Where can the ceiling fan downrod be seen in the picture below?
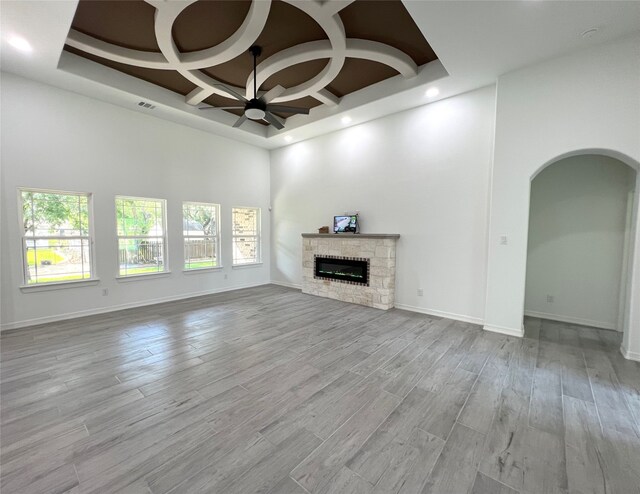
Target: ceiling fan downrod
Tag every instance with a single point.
(255, 109)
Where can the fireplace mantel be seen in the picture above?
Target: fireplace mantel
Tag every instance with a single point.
(342, 236)
(378, 250)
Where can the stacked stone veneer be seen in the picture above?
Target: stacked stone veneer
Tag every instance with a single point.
(379, 249)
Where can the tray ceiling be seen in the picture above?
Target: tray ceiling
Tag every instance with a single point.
(317, 51)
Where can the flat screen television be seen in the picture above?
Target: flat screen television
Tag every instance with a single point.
(345, 224)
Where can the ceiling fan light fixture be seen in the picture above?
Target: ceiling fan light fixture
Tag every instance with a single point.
(258, 108)
(254, 113)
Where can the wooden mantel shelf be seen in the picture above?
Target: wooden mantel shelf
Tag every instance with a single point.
(352, 235)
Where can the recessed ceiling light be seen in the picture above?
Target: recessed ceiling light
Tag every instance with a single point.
(432, 92)
(288, 138)
(346, 119)
(589, 32)
(20, 44)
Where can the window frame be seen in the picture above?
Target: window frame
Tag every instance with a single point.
(217, 237)
(165, 239)
(258, 238)
(90, 237)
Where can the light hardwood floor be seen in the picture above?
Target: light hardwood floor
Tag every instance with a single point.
(269, 390)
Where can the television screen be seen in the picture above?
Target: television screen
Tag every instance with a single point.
(345, 224)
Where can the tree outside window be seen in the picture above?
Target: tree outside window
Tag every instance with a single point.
(141, 235)
(201, 231)
(57, 244)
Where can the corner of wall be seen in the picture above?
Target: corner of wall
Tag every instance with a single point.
(628, 354)
(517, 332)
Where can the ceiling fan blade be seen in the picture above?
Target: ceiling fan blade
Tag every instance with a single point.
(240, 121)
(233, 93)
(272, 93)
(221, 108)
(288, 109)
(273, 120)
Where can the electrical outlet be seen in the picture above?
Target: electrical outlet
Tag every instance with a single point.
(550, 299)
(504, 240)
(105, 292)
(420, 292)
(226, 276)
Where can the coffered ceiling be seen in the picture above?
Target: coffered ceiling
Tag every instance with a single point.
(476, 41)
(317, 52)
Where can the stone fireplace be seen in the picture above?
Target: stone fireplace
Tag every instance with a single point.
(359, 268)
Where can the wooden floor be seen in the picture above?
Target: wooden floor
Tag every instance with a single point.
(269, 390)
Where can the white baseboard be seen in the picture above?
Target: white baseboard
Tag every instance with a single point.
(571, 320)
(288, 285)
(439, 313)
(629, 355)
(113, 308)
(504, 330)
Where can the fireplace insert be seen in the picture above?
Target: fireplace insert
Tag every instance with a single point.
(352, 270)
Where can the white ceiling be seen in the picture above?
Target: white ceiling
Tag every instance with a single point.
(476, 41)
(485, 39)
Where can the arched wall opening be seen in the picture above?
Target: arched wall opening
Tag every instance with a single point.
(582, 233)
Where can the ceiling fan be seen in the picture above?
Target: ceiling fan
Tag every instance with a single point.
(258, 108)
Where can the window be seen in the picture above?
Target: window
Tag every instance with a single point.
(57, 244)
(246, 235)
(141, 235)
(200, 228)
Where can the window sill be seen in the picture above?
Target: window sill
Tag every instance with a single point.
(247, 265)
(202, 270)
(139, 277)
(61, 285)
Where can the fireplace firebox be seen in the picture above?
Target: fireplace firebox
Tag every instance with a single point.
(350, 270)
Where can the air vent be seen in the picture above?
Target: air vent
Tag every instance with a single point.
(144, 104)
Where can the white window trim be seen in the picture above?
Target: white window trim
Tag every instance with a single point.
(141, 276)
(52, 285)
(202, 270)
(218, 238)
(258, 237)
(164, 237)
(59, 285)
(247, 265)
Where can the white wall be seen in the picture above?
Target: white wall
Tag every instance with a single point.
(55, 139)
(425, 173)
(422, 173)
(584, 101)
(576, 244)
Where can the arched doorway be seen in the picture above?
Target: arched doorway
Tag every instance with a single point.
(582, 217)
